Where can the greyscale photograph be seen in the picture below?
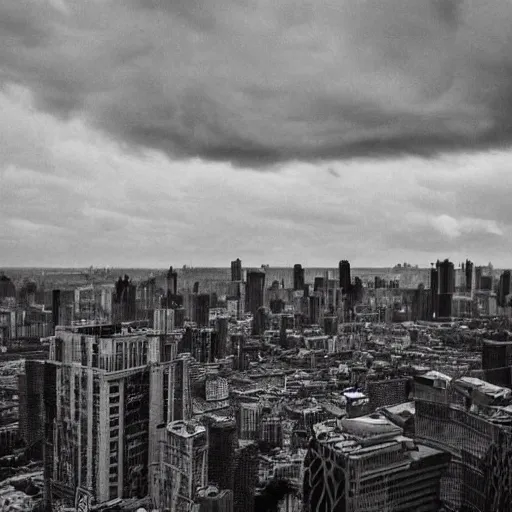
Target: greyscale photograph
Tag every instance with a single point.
(255, 256)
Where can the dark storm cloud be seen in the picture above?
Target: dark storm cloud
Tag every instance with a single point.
(265, 82)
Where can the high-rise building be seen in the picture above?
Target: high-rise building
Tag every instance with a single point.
(183, 465)
(221, 329)
(254, 291)
(260, 322)
(223, 443)
(172, 282)
(236, 270)
(31, 406)
(445, 288)
(103, 399)
(124, 301)
(318, 284)
(389, 472)
(180, 395)
(504, 288)
(246, 476)
(55, 307)
(344, 274)
(298, 277)
(468, 269)
(201, 310)
(478, 278)
(466, 418)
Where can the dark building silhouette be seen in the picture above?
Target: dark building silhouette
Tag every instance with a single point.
(55, 307)
(478, 278)
(468, 269)
(254, 291)
(124, 301)
(486, 283)
(314, 309)
(236, 270)
(298, 277)
(7, 288)
(260, 321)
(434, 287)
(331, 325)
(221, 328)
(222, 445)
(195, 288)
(318, 284)
(172, 282)
(201, 311)
(446, 288)
(246, 477)
(345, 281)
(504, 288)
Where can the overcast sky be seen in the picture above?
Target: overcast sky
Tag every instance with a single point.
(159, 132)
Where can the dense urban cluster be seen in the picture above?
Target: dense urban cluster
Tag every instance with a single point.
(270, 389)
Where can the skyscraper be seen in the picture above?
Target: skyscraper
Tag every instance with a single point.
(102, 391)
(504, 288)
(172, 282)
(254, 291)
(201, 310)
(446, 288)
(236, 270)
(183, 465)
(179, 401)
(345, 281)
(469, 275)
(124, 301)
(298, 277)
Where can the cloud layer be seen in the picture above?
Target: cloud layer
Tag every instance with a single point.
(255, 83)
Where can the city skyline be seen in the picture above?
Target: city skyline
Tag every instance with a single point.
(185, 132)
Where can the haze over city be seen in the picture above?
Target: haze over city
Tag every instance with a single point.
(133, 131)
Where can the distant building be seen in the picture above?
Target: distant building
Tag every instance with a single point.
(236, 270)
(254, 291)
(504, 288)
(163, 320)
(124, 301)
(344, 275)
(298, 277)
(201, 310)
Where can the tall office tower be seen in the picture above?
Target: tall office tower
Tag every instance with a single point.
(201, 311)
(146, 295)
(55, 307)
(123, 304)
(103, 396)
(246, 476)
(319, 284)
(163, 320)
(260, 322)
(248, 420)
(195, 288)
(390, 472)
(254, 291)
(314, 308)
(504, 288)
(201, 343)
(460, 417)
(446, 288)
(344, 274)
(31, 407)
(236, 270)
(434, 294)
(172, 282)
(478, 278)
(221, 329)
(223, 443)
(211, 499)
(298, 277)
(179, 401)
(468, 269)
(183, 465)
